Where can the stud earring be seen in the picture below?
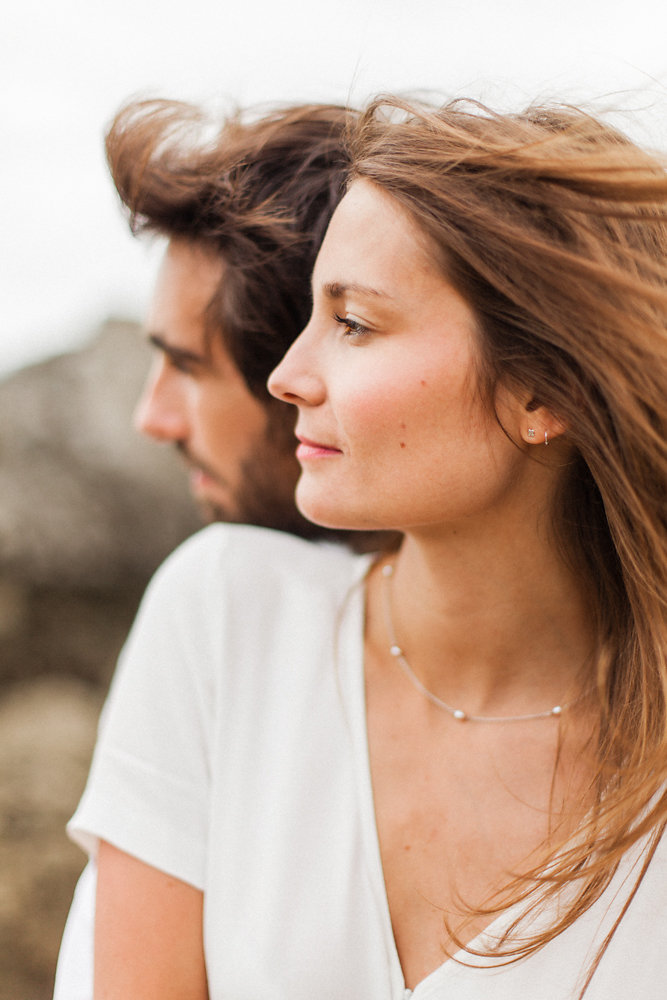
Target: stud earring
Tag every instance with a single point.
(546, 438)
(531, 432)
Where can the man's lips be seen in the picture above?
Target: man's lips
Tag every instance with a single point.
(199, 478)
(308, 448)
(199, 474)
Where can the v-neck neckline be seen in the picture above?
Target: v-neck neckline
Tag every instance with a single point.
(352, 659)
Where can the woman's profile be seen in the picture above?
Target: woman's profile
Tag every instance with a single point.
(439, 771)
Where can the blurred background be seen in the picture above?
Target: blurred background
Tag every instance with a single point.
(86, 509)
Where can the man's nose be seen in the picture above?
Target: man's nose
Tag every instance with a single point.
(160, 411)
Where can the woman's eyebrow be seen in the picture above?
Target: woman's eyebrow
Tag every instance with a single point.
(337, 289)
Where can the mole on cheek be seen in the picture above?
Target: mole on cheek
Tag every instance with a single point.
(402, 444)
(422, 381)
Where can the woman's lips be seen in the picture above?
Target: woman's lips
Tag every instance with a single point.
(314, 449)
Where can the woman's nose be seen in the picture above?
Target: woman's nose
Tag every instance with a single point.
(296, 378)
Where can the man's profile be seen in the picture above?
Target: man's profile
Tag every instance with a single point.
(196, 398)
(244, 214)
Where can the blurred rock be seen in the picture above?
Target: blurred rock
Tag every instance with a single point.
(67, 632)
(85, 501)
(88, 508)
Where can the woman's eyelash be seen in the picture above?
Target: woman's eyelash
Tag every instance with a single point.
(353, 327)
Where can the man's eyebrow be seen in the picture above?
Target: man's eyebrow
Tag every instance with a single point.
(337, 289)
(175, 353)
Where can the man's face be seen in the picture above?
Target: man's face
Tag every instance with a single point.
(240, 468)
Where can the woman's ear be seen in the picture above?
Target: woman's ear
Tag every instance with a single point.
(538, 424)
(530, 421)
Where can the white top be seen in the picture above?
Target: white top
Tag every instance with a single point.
(233, 755)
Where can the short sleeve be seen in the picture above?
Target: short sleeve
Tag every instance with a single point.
(148, 788)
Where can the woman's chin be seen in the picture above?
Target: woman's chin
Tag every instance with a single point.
(329, 516)
(325, 517)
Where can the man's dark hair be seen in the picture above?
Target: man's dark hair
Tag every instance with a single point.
(260, 192)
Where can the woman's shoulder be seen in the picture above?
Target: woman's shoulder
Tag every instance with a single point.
(235, 593)
(251, 558)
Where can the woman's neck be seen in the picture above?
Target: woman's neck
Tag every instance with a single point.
(495, 623)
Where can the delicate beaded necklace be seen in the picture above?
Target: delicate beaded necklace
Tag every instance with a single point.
(397, 653)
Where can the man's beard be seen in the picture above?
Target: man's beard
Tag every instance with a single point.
(265, 495)
(265, 498)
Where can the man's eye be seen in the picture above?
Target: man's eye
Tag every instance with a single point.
(183, 365)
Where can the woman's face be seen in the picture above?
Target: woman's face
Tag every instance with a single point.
(393, 432)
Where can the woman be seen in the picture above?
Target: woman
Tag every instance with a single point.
(440, 772)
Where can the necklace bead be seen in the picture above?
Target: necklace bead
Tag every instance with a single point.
(397, 653)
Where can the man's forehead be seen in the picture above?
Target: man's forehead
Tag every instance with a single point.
(188, 286)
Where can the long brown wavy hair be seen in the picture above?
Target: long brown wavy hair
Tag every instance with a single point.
(553, 226)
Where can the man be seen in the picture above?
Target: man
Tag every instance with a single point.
(244, 215)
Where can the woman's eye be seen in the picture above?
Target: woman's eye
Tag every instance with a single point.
(352, 327)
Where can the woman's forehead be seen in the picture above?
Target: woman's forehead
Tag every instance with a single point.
(373, 242)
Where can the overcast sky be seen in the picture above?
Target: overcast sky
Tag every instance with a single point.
(67, 260)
